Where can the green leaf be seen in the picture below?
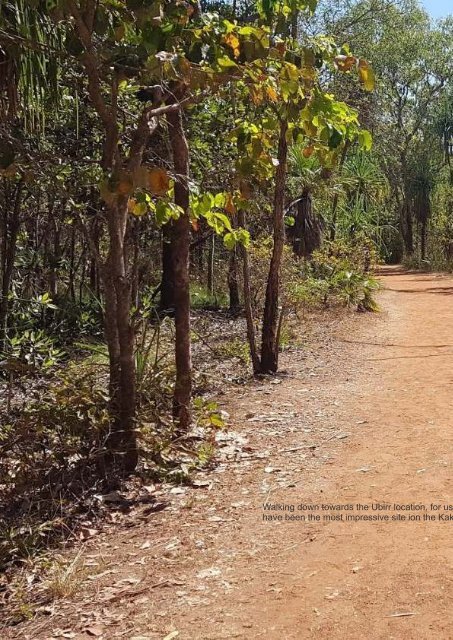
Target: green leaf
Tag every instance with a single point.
(226, 63)
(229, 241)
(365, 140)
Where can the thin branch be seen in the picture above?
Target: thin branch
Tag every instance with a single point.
(146, 126)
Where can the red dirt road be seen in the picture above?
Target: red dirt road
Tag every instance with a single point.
(364, 418)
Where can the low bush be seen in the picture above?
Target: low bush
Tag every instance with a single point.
(338, 274)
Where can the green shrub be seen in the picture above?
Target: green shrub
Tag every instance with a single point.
(336, 275)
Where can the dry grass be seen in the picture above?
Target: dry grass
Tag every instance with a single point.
(65, 577)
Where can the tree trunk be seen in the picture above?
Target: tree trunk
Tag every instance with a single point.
(406, 227)
(269, 343)
(121, 442)
(233, 285)
(211, 254)
(180, 249)
(167, 284)
(72, 274)
(11, 226)
(248, 301)
(307, 227)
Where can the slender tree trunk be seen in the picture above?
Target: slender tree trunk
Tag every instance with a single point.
(248, 307)
(233, 285)
(406, 227)
(269, 344)
(121, 443)
(180, 249)
(406, 219)
(119, 328)
(211, 255)
(167, 284)
(71, 287)
(11, 226)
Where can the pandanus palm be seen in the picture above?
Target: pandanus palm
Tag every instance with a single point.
(29, 72)
(30, 61)
(306, 234)
(365, 188)
(421, 186)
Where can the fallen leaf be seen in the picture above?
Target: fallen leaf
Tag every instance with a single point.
(94, 631)
(86, 533)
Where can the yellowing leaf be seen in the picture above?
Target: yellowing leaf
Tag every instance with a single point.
(232, 41)
(308, 151)
(137, 208)
(366, 75)
(256, 95)
(158, 181)
(229, 205)
(271, 94)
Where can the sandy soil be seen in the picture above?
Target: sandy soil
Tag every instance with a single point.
(362, 417)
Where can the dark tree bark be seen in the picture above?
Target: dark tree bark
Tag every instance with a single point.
(180, 248)
(269, 343)
(10, 230)
(307, 230)
(233, 285)
(407, 227)
(121, 442)
(211, 254)
(167, 286)
(248, 307)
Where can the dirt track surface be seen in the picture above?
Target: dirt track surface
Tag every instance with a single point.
(363, 417)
